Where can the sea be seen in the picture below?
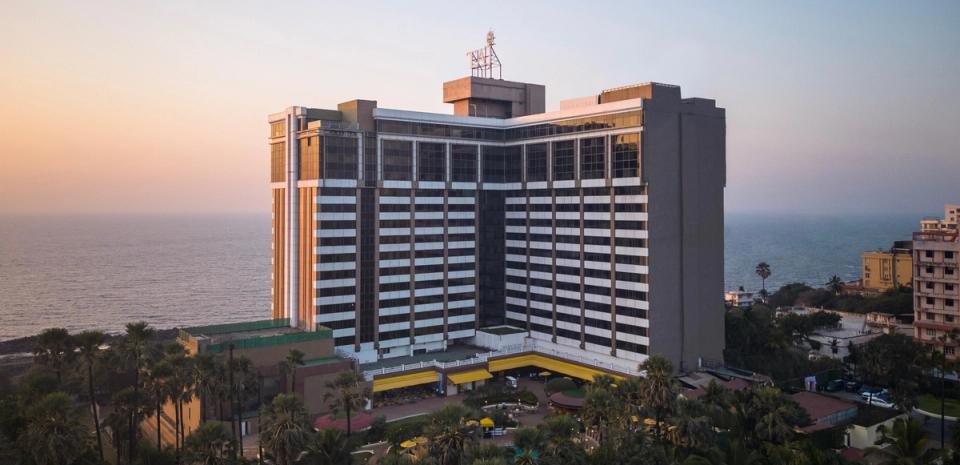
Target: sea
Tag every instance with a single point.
(100, 272)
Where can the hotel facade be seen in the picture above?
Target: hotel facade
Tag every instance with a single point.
(596, 229)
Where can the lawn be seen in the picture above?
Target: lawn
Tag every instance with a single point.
(931, 403)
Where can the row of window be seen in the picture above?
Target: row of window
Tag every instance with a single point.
(571, 126)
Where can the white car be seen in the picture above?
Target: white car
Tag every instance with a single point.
(880, 400)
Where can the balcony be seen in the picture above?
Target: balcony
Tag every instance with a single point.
(935, 236)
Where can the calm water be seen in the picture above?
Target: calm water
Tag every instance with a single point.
(103, 271)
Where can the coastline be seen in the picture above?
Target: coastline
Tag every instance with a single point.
(23, 346)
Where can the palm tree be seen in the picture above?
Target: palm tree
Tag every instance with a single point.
(763, 270)
(952, 337)
(601, 409)
(835, 284)
(286, 429)
(328, 447)
(209, 444)
(205, 379)
(88, 347)
(157, 376)
(658, 389)
(180, 384)
(448, 435)
(54, 349)
(345, 394)
(54, 434)
(245, 384)
(135, 342)
(906, 444)
(294, 360)
(129, 404)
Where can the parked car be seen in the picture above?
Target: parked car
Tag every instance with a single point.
(512, 382)
(834, 386)
(851, 386)
(867, 389)
(879, 399)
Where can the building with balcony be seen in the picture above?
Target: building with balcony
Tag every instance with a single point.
(885, 270)
(596, 230)
(951, 212)
(937, 287)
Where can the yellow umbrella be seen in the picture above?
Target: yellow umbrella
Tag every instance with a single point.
(545, 373)
(634, 418)
(472, 422)
(421, 440)
(649, 421)
(486, 422)
(407, 444)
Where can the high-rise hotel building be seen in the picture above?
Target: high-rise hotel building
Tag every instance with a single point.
(596, 228)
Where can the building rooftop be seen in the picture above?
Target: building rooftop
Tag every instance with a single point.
(456, 352)
(250, 334)
(819, 406)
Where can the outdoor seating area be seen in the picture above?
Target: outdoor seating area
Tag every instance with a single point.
(405, 396)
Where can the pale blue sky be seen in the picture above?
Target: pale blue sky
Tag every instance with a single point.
(832, 107)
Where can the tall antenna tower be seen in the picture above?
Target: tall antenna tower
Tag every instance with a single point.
(484, 60)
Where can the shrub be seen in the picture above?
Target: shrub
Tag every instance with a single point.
(559, 385)
(402, 430)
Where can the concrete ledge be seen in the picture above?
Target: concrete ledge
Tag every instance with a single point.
(934, 415)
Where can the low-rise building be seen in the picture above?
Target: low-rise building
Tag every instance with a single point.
(266, 344)
(948, 223)
(824, 411)
(738, 298)
(884, 270)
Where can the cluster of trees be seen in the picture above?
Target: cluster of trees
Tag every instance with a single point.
(895, 301)
(51, 415)
(757, 340)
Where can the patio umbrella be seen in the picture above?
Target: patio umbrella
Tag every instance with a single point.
(421, 440)
(472, 423)
(407, 444)
(486, 422)
(545, 374)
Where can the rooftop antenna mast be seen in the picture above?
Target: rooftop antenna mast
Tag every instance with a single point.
(484, 60)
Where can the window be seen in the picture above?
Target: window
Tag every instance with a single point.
(929, 285)
(948, 302)
(626, 155)
(948, 287)
(464, 163)
(592, 158)
(931, 316)
(310, 157)
(948, 271)
(340, 157)
(536, 162)
(928, 254)
(929, 270)
(397, 160)
(948, 350)
(563, 157)
(492, 163)
(929, 300)
(931, 332)
(948, 254)
(948, 318)
(431, 161)
(277, 155)
(513, 163)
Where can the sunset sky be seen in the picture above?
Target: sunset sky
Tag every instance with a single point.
(160, 107)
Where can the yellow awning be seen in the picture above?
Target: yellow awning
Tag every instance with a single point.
(387, 383)
(559, 366)
(469, 376)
